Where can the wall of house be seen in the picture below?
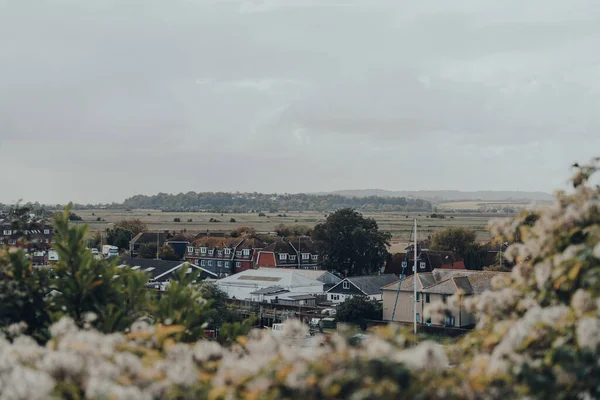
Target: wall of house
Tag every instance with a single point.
(404, 309)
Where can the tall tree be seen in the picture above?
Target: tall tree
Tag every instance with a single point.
(350, 243)
(133, 225)
(462, 241)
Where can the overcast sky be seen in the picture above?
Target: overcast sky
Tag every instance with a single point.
(104, 99)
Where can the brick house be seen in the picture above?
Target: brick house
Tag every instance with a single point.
(224, 256)
(427, 261)
(34, 238)
(300, 255)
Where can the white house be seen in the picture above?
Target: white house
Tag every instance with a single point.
(241, 285)
(369, 286)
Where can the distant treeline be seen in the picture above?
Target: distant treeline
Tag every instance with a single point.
(248, 202)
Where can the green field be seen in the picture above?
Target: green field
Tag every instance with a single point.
(394, 222)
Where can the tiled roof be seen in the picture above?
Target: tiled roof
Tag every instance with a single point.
(156, 268)
(216, 242)
(448, 281)
(149, 238)
(372, 284)
(280, 247)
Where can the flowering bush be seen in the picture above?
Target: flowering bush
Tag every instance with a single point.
(538, 336)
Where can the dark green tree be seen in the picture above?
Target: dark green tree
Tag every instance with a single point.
(85, 285)
(166, 252)
(133, 225)
(24, 295)
(119, 237)
(350, 243)
(461, 241)
(147, 251)
(357, 310)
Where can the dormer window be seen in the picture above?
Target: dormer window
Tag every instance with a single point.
(292, 258)
(246, 252)
(203, 250)
(7, 232)
(190, 249)
(197, 251)
(422, 265)
(211, 252)
(46, 231)
(227, 252)
(346, 285)
(315, 257)
(220, 253)
(283, 256)
(238, 253)
(305, 256)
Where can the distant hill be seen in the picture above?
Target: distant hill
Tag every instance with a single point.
(439, 196)
(245, 202)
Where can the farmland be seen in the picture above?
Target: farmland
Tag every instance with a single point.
(398, 224)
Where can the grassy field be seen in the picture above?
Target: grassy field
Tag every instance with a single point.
(398, 224)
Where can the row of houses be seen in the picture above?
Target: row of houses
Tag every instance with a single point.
(227, 256)
(303, 287)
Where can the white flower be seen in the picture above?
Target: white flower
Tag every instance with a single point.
(428, 355)
(596, 251)
(588, 333)
(582, 302)
(62, 365)
(90, 317)
(63, 326)
(542, 274)
(206, 350)
(128, 363)
(27, 384)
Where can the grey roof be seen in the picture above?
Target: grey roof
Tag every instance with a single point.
(270, 290)
(371, 284)
(157, 268)
(449, 281)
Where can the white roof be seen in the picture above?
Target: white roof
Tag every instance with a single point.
(312, 273)
(271, 277)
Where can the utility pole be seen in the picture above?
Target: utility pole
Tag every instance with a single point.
(415, 280)
(157, 240)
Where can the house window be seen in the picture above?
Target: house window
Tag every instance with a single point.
(428, 321)
(190, 249)
(219, 263)
(227, 264)
(220, 253)
(418, 318)
(292, 258)
(46, 231)
(422, 265)
(12, 241)
(203, 250)
(246, 252)
(427, 298)
(449, 321)
(346, 285)
(210, 263)
(211, 252)
(305, 256)
(238, 253)
(315, 257)
(238, 264)
(283, 256)
(8, 232)
(418, 296)
(227, 252)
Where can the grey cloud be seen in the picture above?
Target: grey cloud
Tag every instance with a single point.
(257, 89)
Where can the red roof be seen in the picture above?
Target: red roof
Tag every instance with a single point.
(266, 259)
